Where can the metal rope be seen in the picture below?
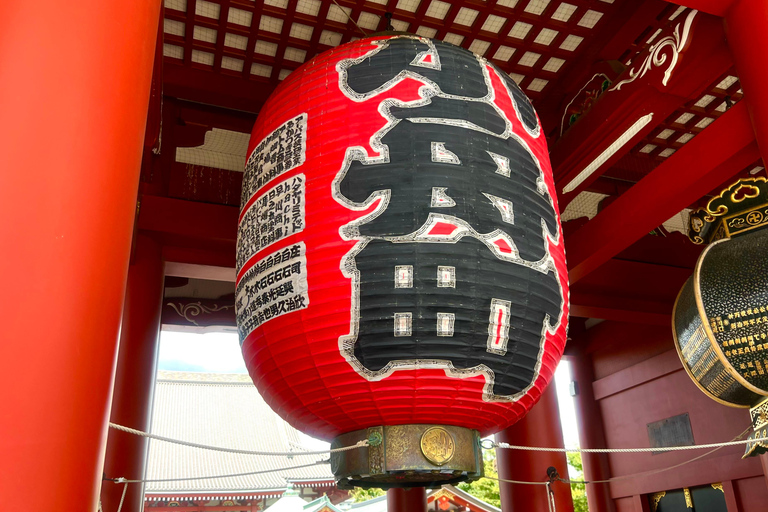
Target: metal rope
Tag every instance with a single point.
(122, 498)
(636, 475)
(184, 479)
(625, 450)
(141, 433)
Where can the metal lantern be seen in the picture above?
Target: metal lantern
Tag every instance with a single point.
(401, 274)
(720, 318)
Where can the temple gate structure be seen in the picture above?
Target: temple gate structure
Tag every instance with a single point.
(124, 135)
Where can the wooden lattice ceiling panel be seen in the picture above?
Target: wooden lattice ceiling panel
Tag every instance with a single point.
(692, 118)
(532, 40)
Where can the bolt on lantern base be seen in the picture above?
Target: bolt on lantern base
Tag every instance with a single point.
(408, 456)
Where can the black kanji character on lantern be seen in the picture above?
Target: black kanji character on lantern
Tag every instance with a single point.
(460, 73)
(470, 167)
(447, 313)
(458, 300)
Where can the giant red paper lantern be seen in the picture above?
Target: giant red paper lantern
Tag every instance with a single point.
(400, 257)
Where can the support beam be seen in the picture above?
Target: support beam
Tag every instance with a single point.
(630, 291)
(540, 427)
(407, 500)
(714, 7)
(619, 313)
(746, 26)
(210, 222)
(624, 116)
(81, 71)
(726, 147)
(201, 86)
(591, 435)
(199, 261)
(196, 271)
(608, 44)
(199, 315)
(135, 377)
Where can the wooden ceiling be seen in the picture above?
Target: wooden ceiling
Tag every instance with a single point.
(220, 59)
(536, 41)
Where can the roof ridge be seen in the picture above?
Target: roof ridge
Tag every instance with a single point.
(205, 383)
(189, 376)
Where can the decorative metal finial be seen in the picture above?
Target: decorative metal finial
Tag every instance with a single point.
(388, 15)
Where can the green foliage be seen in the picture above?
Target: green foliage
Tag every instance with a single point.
(578, 491)
(488, 490)
(574, 460)
(485, 489)
(359, 494)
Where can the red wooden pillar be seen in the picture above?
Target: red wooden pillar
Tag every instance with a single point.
(407, 500)
(591, 434)
(746, 28)
(540, 427)
(135, 376)
(75, 85)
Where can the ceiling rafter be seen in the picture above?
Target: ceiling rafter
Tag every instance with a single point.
(713, 157)
(250, 46)
(277, 69)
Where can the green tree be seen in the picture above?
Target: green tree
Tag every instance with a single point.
(485, 488)
(578, 491)
(359, 494)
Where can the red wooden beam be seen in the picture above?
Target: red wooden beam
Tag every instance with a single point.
(745, 27)
(210, 222)
(199, 313)
(629, 313)
(714, 7)
(207, 270)
(608, 44)
(211, 116)
(199, 260)
(221, 90)
(630, 291)
(702, 60)
(713, 156)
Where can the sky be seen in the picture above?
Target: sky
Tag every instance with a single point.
(214, 352)
(219, 352)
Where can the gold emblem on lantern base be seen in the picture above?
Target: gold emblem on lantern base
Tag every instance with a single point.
(437, 445)
(408, 456)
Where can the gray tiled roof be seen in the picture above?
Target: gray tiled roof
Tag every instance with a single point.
(227, 411)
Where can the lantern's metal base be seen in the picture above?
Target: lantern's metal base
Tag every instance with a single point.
(408, 456)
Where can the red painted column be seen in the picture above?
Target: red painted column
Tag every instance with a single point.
(591, 434)
(407, 500)
(75, 85)
(746, 23)
(540, 427)
(135, 376)
(746, 28)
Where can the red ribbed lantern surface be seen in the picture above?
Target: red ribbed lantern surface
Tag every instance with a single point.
(400, 256)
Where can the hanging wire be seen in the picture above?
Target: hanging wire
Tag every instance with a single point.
(550, 497)
(122, 498)
(141, 433)
(487, 444)
(718, 446)
(508, 446)
(350, 18)
(126, 481)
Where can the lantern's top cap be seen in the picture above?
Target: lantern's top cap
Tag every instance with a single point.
(739, 209)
